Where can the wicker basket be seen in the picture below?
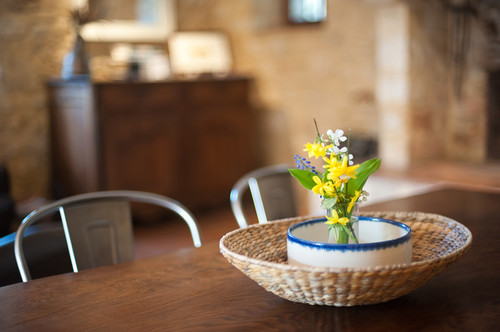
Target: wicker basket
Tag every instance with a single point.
(259, 251)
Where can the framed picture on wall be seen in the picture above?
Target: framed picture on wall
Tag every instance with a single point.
(197, 53)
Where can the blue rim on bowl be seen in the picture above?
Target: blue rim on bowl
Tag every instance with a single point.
(350, 246)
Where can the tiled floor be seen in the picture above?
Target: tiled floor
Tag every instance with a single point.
(169, 235)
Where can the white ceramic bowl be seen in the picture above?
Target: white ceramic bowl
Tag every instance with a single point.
(381, 242)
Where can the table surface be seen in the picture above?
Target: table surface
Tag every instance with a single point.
(197, 289)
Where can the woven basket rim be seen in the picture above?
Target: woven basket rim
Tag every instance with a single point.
(382, 268)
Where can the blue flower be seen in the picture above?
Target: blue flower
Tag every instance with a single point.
(304, 164)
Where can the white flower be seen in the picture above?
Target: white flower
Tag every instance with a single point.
(336, 137)
(338, 151)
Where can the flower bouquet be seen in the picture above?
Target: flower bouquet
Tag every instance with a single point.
(339, 182)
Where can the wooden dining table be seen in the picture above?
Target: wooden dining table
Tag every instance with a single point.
(196, 289)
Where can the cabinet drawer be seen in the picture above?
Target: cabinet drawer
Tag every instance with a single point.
(137, 97)
(217, 93)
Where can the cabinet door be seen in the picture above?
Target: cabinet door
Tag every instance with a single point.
(73, 139)
(139, 152)
(220, 141)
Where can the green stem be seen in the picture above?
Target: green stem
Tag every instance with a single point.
(343, 237)
(317, 130)
(350, 232)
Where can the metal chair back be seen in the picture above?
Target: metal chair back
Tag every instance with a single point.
(98, 227)
(272, 193)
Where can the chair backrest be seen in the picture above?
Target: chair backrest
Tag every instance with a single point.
(272, 193)
(98, 227)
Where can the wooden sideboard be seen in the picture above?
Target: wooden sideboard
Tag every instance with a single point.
(189, 140)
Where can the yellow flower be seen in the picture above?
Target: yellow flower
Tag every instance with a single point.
(322, 187)
(331, 162)
(353, 200)
(317, 150)
(342, 172)
(334, 219)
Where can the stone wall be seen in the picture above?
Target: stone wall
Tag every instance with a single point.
(412, 82)
(430, 80)
(34, 36)
(448, 102)
(467, 113)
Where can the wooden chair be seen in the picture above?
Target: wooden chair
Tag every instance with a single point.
(98, 227)
(272, 193)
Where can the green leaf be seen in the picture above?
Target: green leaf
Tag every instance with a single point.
(363, 172)
(304, 177)
(328, 203)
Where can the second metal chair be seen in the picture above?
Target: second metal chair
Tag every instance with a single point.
(272, 193)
